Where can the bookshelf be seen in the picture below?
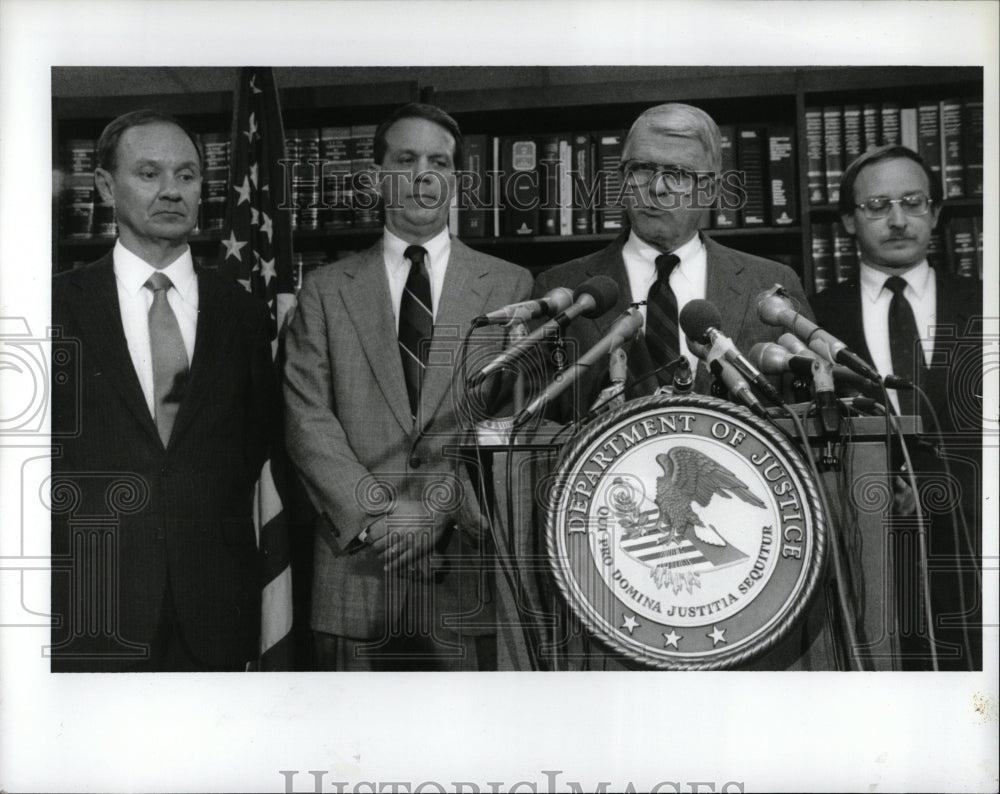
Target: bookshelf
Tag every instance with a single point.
(562, 100)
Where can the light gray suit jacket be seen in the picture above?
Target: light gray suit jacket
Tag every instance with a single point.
(351, 437)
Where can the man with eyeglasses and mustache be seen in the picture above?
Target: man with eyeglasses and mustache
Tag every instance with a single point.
(913, 321)
(671, 166)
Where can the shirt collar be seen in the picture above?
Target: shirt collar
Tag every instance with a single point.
(642, 250)
(438, 248)
(873, 280)
(133, 272)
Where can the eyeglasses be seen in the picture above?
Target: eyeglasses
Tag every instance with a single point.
(913, 204)
(672, 178)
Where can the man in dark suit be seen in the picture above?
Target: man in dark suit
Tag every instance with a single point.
(402, 565)
(671, 165)
(165, 425)
(910, 320)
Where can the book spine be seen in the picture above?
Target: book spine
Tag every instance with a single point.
(929, 136)
(215, 180)
(474, 193)
(521, 189)
(890, 124)
(822, 256)
(908, 128)
(833, 149)
(364, 196)
(845, 255)
(497, 187)
(548, 183)
(961, 244)
(952, 170)
(584, 194)
(815, 160)
(565, 186)
(972, 146)
(781, 171)
(871, 113)
(337, 193)
(726, 213)
(610, 213)
(854, 133)
(751, 158)
(937, 251)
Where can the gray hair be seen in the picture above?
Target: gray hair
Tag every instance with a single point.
(684, 121)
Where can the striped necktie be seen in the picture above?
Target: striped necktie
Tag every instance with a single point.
(170, 361)
(904, 342)
(662, 338)
(416, 324)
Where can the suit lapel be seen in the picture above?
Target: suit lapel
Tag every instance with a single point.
(367, 301)
(467, 289)
(216, 318)
(99, 319)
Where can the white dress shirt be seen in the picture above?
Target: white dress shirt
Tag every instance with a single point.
(131, 273)
(921, 292)
(687, 279)
(397, 267)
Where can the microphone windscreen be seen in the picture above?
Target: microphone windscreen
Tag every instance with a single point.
(697, 317)
(604, 291)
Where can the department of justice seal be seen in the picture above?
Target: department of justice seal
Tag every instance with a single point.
(685, 532)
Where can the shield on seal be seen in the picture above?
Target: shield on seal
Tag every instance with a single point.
(685, 532)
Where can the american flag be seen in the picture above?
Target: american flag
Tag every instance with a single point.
(257, 250)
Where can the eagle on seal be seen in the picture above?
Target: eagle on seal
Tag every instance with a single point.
(691, 476)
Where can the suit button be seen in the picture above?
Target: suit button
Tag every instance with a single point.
(415, 461)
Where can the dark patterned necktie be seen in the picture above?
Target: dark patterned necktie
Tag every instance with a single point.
(904, 341)
(416, 324)
(170, 361)
(662, 338)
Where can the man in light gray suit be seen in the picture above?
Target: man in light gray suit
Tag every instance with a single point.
(402, 565)
(671, 165)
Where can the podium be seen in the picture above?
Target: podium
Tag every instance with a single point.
(539, 631)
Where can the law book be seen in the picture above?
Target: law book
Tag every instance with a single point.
(815, 158)
(565, 186)
(833, 150)
(871, 114)
(519, 167)
(854, 133)
(582, 178)
(977, 226)
(104, 218)
(549, 180)
(473, 188)
(822, 256)
(890, 124)
(726, 213)
(908, 128)
(937, 253)
(845, 255)
(338, 196)
(496, 183)
(215, 180)
(607, 159)
(960, 242)
(952, 165)
(784, 209)
(306, 181)
(929, 135)
(364, 199)
(78, 206)
(972, 146)
(752, 159)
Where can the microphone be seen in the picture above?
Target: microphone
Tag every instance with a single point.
(700, 321)
(624, 329)
(775, 359)
(683, 380)
(591, 299)
(551, 303)
(775, 308)
(728, 374)
(794, 345)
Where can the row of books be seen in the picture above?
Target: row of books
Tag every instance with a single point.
(956, 246)
(947, 133)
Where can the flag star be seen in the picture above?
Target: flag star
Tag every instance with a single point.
(251, 133)
(244, 283)
(266, 226)
(630, 623)
(243, 190)
(267, 269)
(233, 247)
(253, 85)
(717, 635)
(254, 216)
(253, 174)
(672, 638)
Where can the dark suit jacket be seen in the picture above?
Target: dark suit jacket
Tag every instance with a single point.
(178, 517)
(954, 385)
(734, 279)
(349, 432)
